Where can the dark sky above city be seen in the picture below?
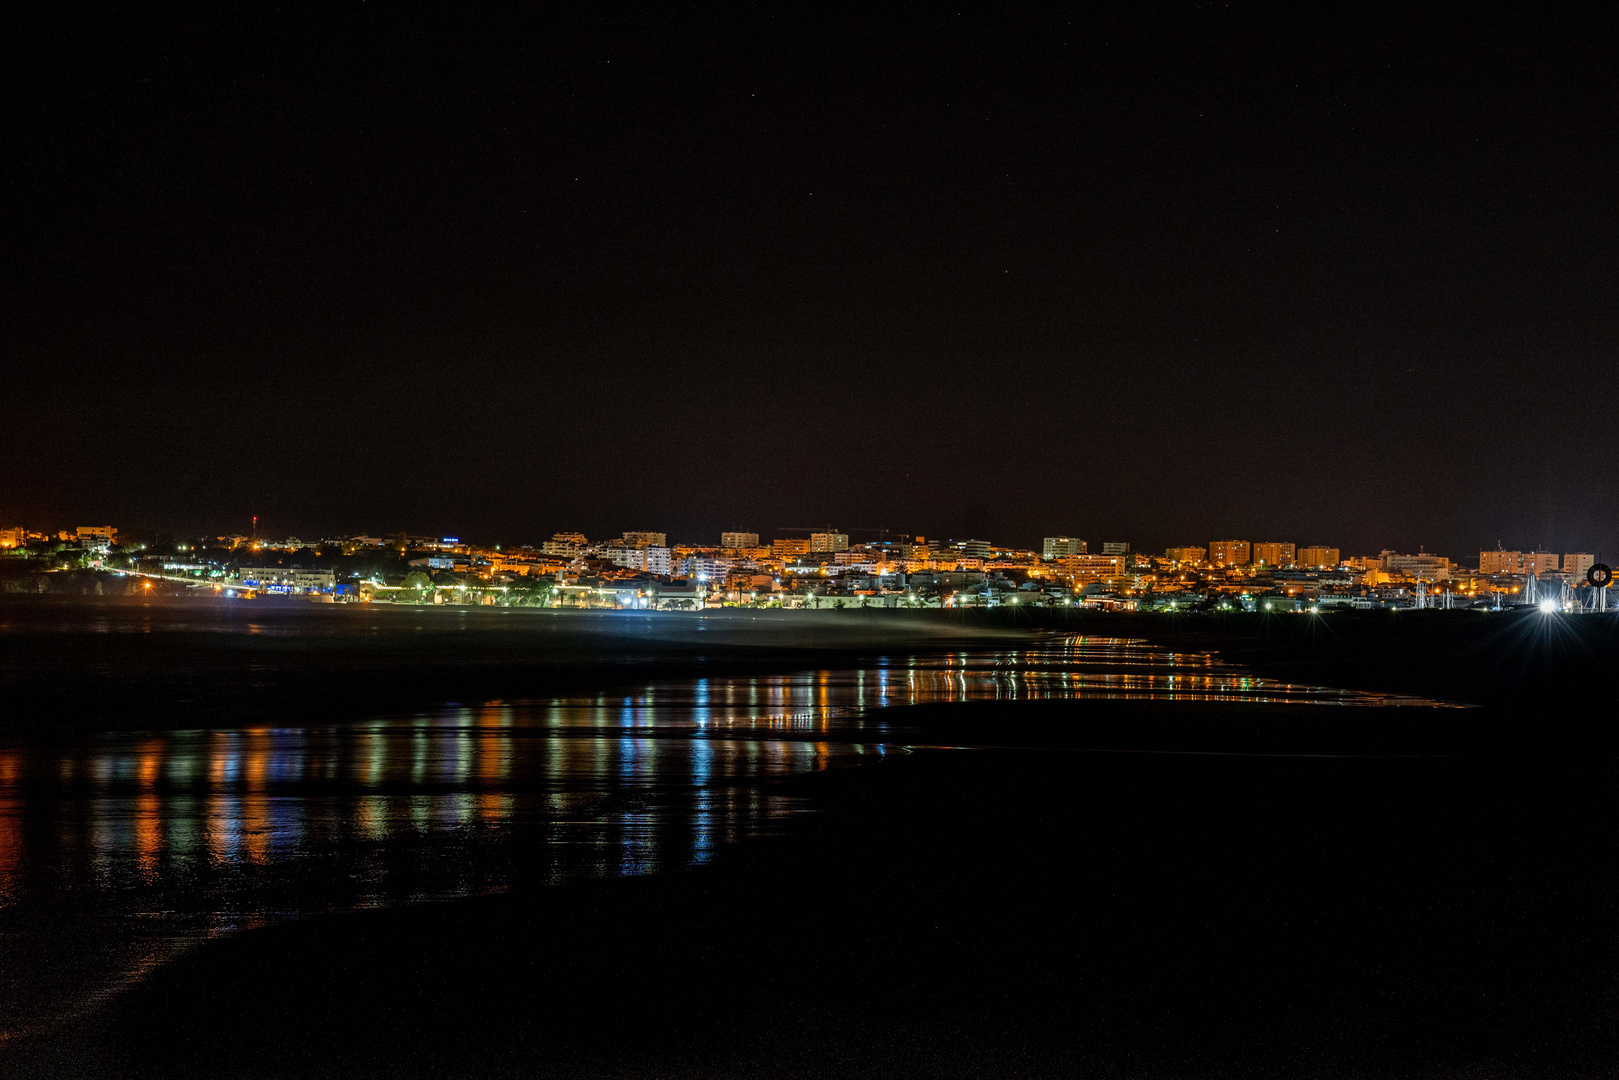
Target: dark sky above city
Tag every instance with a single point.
(1213, 271)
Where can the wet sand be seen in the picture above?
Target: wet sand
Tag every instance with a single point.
(102, 663)
(1046, 888)
(1037, 911)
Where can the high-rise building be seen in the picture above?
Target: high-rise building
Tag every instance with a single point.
(1228, 552)
(1186, 554)
(1539, 562)
(1317, 557)
(789, 548)
(1274, 553)
(1058, 546)
(1578, 563)
(13, 538)
(1500, 562)
(739, 540)
(651, 558)
(829, 541)
(647, 539)
(1115, 547)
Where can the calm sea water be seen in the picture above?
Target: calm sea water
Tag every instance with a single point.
(121, 849)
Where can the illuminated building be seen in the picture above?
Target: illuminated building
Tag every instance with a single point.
(97, 537)
(566, 545)
(1518, 562)
(1578, 564)
(789, 548)
(1540, 562)
(288, 578)
(1423, 566)
(1057, 547)
(1274, 554)
(1186, 554)
(1228, 552)
(1088, 568)
(735, 540)
(649, 558)
(647, 539)
(1115, 547)
(1318, 556)
(13, 538)
(974, 549)
(829, 541)
(705, 568)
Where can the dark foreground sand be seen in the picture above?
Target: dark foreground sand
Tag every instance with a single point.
(1092, 890)
(1042, 911)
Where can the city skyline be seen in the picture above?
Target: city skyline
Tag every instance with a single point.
(12, 535)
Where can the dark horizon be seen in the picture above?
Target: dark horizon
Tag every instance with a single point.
(1333, 278)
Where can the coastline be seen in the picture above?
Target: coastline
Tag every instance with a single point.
(1115, 887)
(1011, 911)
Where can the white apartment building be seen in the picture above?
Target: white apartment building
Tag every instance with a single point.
(651, 560)
(1058, 547)
(739, 540)
(976, 549)
(283, 577)
(705, 568)
(97, 537)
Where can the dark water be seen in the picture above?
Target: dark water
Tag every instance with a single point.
(121, 849)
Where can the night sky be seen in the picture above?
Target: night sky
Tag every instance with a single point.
(497, 274)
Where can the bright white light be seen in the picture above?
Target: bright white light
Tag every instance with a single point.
(1548, 606)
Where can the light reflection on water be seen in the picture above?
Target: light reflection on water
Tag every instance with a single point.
(119, 849)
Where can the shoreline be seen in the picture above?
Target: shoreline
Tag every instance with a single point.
(950, 894)
(1118, 886)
